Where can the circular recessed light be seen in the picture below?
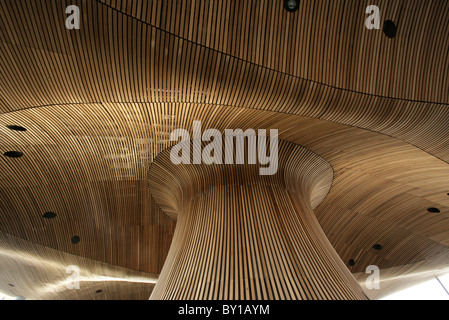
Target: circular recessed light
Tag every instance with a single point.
(377, 247)
(390, 29)
(351, 262)
(16, 128)
(99, 291)
(49, 215)
(433, 210)
(291, 5)
(13, 154)
(76, 239)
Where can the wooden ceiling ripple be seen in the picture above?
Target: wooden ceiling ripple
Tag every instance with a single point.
(99, 105)
(168, 68)
(325, 41)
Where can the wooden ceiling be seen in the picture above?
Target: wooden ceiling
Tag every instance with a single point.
(99, 104)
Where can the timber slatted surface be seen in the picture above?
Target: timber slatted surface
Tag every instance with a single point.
(244, 236)
(42, 273)
(99, 104)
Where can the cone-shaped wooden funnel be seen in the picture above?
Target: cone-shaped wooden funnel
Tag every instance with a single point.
(240, 235)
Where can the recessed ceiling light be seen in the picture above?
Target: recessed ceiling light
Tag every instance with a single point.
(377, 247)
(433, 210)
(13, 154)
(49, 215)
(351, 262)
(16, 128)
(390, 29)
(291, 5)
(76, 239)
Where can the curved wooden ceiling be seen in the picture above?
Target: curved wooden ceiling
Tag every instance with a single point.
(99, 104)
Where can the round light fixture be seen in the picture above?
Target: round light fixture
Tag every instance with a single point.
(291, 5)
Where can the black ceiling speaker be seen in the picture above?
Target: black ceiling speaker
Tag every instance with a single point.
(351, 262)
(433, 210)
(99, 291)
(49, 215)
(76, 239)
(13, 154)
(16, 128)
(377, 247)
(390, 29)
(291, 5)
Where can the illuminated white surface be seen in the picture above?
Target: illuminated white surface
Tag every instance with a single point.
(429, 290)
(5, 297)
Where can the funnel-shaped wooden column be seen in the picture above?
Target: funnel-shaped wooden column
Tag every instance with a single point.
(240, 235)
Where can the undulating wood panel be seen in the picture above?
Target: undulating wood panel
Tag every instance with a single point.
(33, 271)
(99, 104)
(240, 235)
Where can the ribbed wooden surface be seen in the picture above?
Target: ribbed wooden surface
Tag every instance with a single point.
(117, 57)
(243, 236)
(33, 271)
(402, 277)
(99, 104)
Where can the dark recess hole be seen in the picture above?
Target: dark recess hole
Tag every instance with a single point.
(291, 5)
(49, 215)
(433, 210)
(99, 291)
(377, 247)
(351, 262)
(390, 29)
(13, 154)
(16, 128)
(11, 285)
(76, 239)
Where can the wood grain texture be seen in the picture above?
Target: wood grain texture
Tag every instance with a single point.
(99, 104)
